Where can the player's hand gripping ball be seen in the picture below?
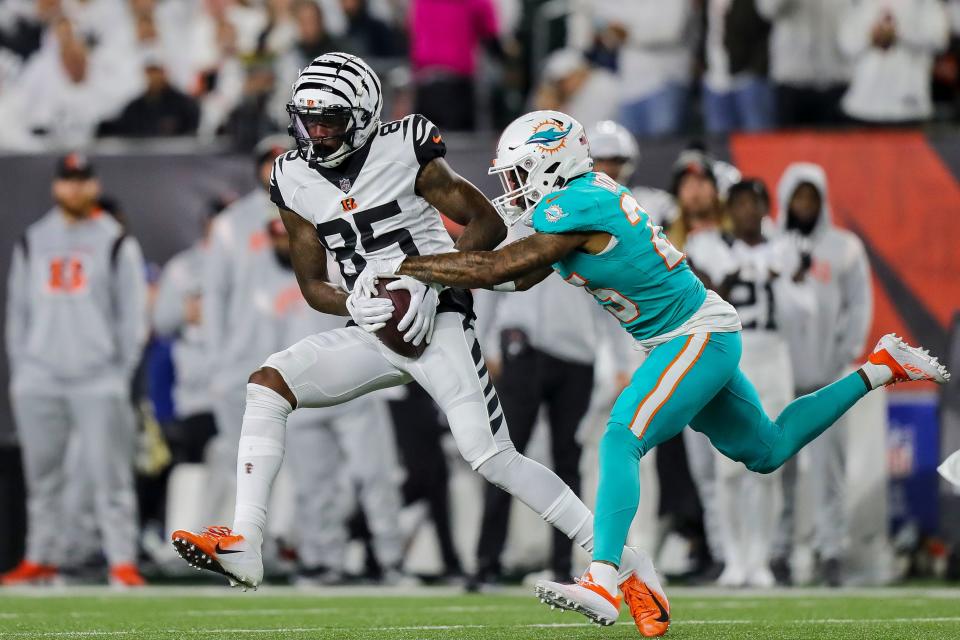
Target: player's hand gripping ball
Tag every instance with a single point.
(408, 331)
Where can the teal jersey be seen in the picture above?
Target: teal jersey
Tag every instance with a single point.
(643, 280)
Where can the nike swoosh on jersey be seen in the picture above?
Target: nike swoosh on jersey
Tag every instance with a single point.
(220, 550)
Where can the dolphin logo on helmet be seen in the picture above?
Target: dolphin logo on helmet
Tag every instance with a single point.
(555, 133)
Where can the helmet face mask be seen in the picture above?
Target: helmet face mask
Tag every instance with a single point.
(335, 109)
(519, 195)
(538, 154)
(325, 134)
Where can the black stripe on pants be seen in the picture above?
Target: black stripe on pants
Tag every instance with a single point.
(530, 380)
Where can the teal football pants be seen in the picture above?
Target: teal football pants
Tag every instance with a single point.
(695, 380)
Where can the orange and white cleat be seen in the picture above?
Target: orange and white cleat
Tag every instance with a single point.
(126, 575)
(907, 363)
(644, 596)
(29, 573)
(583, 596)
(220, 550)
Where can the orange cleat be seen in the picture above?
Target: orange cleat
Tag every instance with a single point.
(27, 573)
(220, 550)
(649, 609)
(126, 575)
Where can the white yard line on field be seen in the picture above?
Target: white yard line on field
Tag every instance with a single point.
(277, 591)
(453, 627)
(272, 612)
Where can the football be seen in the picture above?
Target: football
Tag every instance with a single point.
(389, 335)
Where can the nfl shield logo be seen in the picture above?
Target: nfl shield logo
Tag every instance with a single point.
(345, 184)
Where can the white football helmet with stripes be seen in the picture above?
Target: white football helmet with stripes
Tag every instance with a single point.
(335, 108)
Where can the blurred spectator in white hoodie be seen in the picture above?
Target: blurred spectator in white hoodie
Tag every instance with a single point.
(892, 44)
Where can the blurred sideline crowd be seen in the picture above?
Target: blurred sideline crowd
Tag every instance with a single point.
(108, 474)
(72, 71)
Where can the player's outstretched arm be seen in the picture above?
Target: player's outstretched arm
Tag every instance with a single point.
(457, 198)
(525, 258)
(310, 264)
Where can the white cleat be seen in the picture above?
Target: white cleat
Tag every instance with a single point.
(220, 550)
(583, 596)
(907, 363)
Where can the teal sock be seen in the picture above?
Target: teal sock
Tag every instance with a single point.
(807, 417)
(618, 493)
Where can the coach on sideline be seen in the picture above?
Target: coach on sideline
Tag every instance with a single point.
(76, 325)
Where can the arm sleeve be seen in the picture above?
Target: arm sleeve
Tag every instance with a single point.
(857, 296)
(18, 308)
(130, 295)
(427, 141)
(283, 188)
(168, 306)
(216, 288)
(926, 27)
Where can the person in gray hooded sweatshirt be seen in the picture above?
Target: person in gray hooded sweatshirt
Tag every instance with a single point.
(834, 266)
(76, 326)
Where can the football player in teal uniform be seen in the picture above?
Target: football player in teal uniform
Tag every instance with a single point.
(593, 232)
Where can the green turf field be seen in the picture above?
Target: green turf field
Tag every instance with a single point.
(278, 612)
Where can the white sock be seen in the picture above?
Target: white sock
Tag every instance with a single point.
(877, 374)
(643, 566)
(604, 575)
(258, 461)
(573, 518)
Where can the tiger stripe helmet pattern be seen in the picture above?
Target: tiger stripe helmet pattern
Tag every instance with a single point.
(342, 92)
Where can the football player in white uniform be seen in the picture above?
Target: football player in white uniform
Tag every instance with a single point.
(755, 276)
(365, 191)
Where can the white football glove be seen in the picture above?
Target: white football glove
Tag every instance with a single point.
(423, 309)
(370, 314)
(376, 268)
